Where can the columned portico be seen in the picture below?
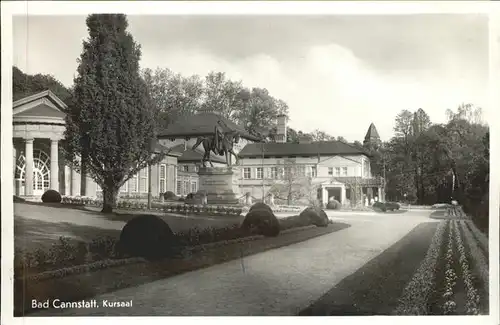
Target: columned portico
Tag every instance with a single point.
(37, 127)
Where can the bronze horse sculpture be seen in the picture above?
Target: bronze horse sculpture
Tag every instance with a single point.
(220, 143)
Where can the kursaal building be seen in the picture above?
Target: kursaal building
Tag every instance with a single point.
(332, 167)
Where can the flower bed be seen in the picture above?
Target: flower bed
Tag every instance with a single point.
(472, 295)
(417, 292)
(479, 260)
(171, 207)
(449, 306)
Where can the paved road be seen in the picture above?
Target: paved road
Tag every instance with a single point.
(277, 282)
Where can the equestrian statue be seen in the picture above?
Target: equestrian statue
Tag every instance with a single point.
(221, 143)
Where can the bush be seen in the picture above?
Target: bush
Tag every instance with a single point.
(260, 206)
(51, 196)
(316, 216)
(148, 236)
(333, 205)
(169, 195)
(262, 221)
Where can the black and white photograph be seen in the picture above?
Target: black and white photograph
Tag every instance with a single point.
(246, 164)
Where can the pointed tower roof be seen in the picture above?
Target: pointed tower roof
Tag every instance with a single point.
(372, 133)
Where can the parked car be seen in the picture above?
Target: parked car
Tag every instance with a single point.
(386, 206)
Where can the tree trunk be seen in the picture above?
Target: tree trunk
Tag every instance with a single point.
(83, 177)
(109, 199)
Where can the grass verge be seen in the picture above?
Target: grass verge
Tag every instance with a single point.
(90, 284)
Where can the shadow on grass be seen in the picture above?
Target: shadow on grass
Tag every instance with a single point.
(376, 287)
(30, 234)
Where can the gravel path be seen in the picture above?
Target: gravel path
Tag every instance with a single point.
(277, 282)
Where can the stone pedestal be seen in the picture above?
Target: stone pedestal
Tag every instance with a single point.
(220, 185)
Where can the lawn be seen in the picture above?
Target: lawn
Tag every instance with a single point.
(38, 225)
(90, 284)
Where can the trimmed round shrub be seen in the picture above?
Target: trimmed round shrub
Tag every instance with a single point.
(260, 206)
(261, 221)
(316, 216)
(148, 236)
(333, 205)
(51, 196)
(169, 195)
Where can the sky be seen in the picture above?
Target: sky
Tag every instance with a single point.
(337, 73)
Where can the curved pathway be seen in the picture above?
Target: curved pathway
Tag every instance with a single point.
(277, 282)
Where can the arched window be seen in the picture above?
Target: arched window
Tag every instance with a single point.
(41, 170)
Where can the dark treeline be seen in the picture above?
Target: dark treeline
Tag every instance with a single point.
(427, 163)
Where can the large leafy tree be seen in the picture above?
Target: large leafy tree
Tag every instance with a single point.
(111, 120)
(223, 95)
(173, 94)
(260, 111)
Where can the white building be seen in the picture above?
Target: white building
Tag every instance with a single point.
(333, 168)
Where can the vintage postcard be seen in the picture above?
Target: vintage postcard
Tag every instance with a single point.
(249, 159)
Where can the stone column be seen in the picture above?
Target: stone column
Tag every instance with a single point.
(324, 196)
(54, 165)
(75, 189)
(380, 194)
(28, 175)
(67, 180)
(342, 195)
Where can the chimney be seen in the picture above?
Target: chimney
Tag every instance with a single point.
(281, 128)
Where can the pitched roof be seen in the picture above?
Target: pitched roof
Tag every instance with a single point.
(201, 124)
(190, 155)
(47, 93)
(299, 149)
(372, 133)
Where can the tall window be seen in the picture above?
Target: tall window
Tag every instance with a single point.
(179, 187)
(247, 173)
(185, 168)
(337, 171)
(344, 171)
(260, 173)
(330, 171)
(274, 173)
(134, 183)
(287, 171)
(301, 170)
(194, 187)
(186, 187)
(367, 169)
(162, 178)
(143, 180)
(314, 171)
